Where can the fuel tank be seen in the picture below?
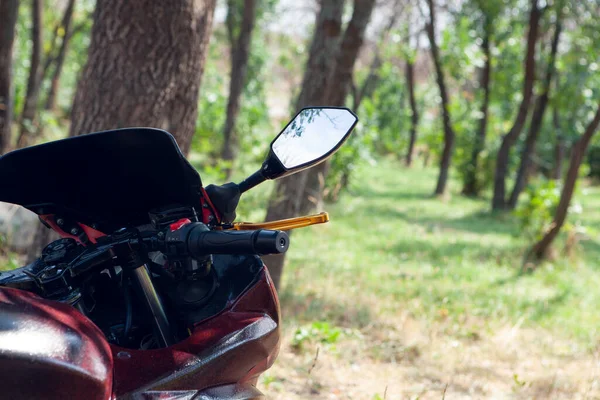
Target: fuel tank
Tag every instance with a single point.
(49, 350)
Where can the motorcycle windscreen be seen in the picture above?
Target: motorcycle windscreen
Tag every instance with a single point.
(111, 178)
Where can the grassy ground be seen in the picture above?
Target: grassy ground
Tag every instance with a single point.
(407, 296)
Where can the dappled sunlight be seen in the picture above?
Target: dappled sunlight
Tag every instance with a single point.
(439, 298)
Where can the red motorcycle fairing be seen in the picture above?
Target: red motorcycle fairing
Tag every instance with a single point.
(49, 350)
(231, 348)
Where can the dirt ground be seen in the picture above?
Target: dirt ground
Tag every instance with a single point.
(407, 360)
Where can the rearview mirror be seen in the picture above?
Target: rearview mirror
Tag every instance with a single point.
(311, 137)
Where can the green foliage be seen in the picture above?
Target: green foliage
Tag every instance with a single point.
(536, 213)
(451, 264)
(317, 332)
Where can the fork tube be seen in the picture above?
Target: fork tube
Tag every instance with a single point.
(156, 308)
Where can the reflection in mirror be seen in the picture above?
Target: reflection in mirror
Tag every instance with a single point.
(313, 134)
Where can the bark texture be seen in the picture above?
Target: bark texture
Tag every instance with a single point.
(449, 135)
(60, 57)
(28, 116)
(471, 185)
(240, 53)
(338, 88)
(8, 10)
(287, 196)
(499, 197)
(540, 249)
(144, 66)
(536, 124)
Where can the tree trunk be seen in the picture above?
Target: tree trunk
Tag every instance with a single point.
(144, 66)
(499, 200)
(141, 72)
(414, 112)
(370, 82)
(540, 249)
(29, 114)
(559, 146)
(240, 52)
(471, 185)
(60, 58)
(287, 195)
(449, 135)
(8, 10)
(339, 86)
(536, 124)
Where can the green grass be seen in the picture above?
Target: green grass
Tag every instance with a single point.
(390, 246)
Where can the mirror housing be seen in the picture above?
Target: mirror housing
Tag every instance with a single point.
(310, 138)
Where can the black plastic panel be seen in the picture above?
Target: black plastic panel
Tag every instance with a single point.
(111, 178)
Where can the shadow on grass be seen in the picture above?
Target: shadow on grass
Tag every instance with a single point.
(478, 222)
(311, 306)
(398, 193)
(451, 251)
(545, 307)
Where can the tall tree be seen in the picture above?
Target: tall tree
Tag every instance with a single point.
(412, 101)
(8, 10)
(287, 195)
(559, 145)
(536, 121)
(540, 249)
(499, 200)
(337, 90)
(239, 34)
(65, 28)
(144, 67)
(471, 185)
(29, 114)
(449, 134)
(370, 82)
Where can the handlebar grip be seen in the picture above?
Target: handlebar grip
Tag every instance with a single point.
(201, 242)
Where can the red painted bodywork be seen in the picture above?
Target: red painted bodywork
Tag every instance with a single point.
(229, 350)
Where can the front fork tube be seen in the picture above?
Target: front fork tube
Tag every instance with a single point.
(161, 322)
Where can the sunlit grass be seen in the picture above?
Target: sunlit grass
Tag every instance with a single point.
(391, 246)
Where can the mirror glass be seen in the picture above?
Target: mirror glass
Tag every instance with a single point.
(312, 135)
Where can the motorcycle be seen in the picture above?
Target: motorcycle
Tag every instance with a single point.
(153, 291)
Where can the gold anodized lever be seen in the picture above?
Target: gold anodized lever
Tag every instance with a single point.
(283, 224)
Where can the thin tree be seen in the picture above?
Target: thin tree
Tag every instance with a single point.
(239, 34)
(449, 134)
(471, 185)
(540, 249)
(499, 200)
(536, 121)
(412, 101)
(287, 195)
(66, 29)
(30, 107)
(9, 11)
(559, 145)
(370, 82)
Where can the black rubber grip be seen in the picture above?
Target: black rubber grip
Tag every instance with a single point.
(201, 242)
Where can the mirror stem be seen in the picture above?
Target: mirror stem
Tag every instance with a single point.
(251, 181)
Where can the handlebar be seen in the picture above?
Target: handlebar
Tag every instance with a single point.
(196, 240)
(262, 242)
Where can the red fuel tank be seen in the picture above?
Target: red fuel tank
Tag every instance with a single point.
(49, 350)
